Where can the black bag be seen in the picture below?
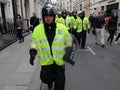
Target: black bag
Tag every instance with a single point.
(31, 28)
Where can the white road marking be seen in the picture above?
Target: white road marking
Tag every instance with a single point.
(84, 50)
(91, 50)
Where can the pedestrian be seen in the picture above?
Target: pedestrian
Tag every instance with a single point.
(19, 24)
(100, 22)
(93, 24)
(34, 21)
(118, 31)
(117, 38)
(112, 27)
(82, 25)
(52, 42)
(107, 18)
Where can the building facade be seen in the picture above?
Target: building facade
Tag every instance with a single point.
(9, 8)
(6, 10)
(78, 5)
(107, 6)
(64, 4)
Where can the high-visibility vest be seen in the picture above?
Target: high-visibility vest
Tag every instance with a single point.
(73, 22)
(82, 24)
(59, 20)
(61, 40)
(67, 22)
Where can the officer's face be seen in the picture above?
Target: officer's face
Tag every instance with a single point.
(48, 19)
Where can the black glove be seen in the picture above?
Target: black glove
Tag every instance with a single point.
(67, 55)
(68, 60)
(32, 53)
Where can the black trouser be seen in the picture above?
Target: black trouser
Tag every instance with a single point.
(78, 36)
(81, 37)
(117, 37)
(53, 73)
(20, 36)
(111, 35)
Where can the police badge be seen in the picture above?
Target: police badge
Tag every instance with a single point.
(59, 31)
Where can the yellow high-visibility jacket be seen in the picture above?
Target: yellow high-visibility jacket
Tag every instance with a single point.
(82, 24)
(67, 22)
(61, 40)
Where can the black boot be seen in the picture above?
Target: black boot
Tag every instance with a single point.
(20, 41)
(50, 86)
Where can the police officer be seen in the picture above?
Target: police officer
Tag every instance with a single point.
(73, 22)
(66, 19)
(59, 18)
(82, 25)
(51, 41)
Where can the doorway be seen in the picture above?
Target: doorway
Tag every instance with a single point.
(3, 18)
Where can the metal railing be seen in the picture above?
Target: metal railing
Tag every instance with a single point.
(8, 31)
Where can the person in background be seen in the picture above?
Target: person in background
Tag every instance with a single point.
(117, 37)
(112, 27)
(19, 24)
(93, 23)
(73, 22)
(107, 18)
(34, 21)
(53, 44)
(66, 19)
(59, 19)
(100, 22)
(82, 25)
(118, 34)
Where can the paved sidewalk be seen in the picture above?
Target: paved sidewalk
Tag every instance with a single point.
(15, 71)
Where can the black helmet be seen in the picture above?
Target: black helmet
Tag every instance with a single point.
(81, 13)
(74, 11)
(48, 11)
(64, 12)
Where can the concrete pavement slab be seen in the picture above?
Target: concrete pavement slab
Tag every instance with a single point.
(8, 67)
(2, 76)
(21, 79)
(8, 87)
(15, 71)
(26, 67)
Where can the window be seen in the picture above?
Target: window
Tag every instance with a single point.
(80, 6)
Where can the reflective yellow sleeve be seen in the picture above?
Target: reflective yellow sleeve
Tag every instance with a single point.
(33, 40)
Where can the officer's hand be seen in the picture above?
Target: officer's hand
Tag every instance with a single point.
(68, 60)
(32, 53)
(31, 60)
(72, 62)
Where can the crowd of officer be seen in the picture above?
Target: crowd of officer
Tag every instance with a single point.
(52, 41)
(76, 23)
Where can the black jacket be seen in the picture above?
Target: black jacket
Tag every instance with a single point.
(50, 30)
(34, 21)
(112, 24)
(100, 21)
